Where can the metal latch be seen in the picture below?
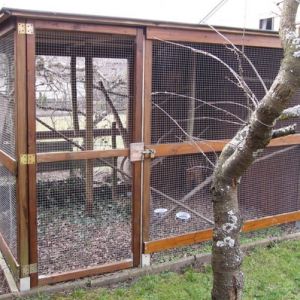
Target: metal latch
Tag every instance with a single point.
(138, 152)
(24, 28)
(29, 269)
(27, 159)
(149, 153)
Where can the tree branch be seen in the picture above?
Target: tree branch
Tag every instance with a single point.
(290, 113)
(284, 131)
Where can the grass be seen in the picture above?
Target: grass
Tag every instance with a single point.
(271, 273)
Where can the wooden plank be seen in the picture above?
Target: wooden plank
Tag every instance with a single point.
(9, 257)
(31, 133)
(73, 83)
(271, 221)
(89, 138)
(48, 135)
(92, 271)
(137, 137)
(187, 147)
(206, 235)
(77, 27)
(21, 148)
(80, 155)
(8, 162)
(208, 36)
(211, 145)
(147, 139)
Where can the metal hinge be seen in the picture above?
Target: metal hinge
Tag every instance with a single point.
(24, 28)
(138, 152)
(29, 269)
(27, 159)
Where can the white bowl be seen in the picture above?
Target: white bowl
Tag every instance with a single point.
(160, 212)
(183, 216)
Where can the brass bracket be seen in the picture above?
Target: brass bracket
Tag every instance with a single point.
(29, 269)
(24, 28)
(138, 152)
(27, 159)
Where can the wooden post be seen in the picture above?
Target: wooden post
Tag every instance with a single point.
(32, 193)
(137, 136)
(74, 93)
(89, 138)
(21, 149)
(115, 161)
(147, 139)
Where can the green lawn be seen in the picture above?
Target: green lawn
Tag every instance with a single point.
(271, 273)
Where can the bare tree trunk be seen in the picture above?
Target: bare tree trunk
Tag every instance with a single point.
(240, 153)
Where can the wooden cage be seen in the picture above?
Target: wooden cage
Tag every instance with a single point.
(96, 115)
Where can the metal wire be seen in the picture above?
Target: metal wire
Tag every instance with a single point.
(8, 215)
(7, 94)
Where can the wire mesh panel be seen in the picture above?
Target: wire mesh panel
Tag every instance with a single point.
(8, 216)
(7, 94)
(195, 94)
(83, 223)
(180, 198)
(83, 91)
(271, 185)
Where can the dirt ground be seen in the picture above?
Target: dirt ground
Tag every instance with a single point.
(4, 289)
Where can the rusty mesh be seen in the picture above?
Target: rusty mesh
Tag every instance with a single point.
(84, 214)
(7, 94)
(83, 81)
(8, 215)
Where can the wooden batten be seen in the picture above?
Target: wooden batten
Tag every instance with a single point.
(147, 139)
(137, 136)
(8, 162)
(206, 235)
(31, 134)
(81, 27)
(21, 148)
(205, 35)
(9, 257)
(92, 271)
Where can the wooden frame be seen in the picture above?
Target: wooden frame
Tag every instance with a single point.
(91, 271)
(9, 257)
(81, 27)
(205, 35)
(206, 235)
(32, 193)
(8, 162)
(147, 139)
(21, 148)
(137, 137)
(144, 33)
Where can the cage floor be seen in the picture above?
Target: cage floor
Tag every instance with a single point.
(168, 225)
(70, 240)
(4, 289)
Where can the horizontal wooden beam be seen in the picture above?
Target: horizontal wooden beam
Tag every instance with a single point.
(8, 162)
(9, 258)
(48, 135)
(209, 36)
(211, 146)
(187, 147)
(206, 235)
(81, 27)
(76, 274)
(80, 155)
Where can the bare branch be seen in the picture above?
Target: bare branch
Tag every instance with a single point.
(289, 113)
(291, 129)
